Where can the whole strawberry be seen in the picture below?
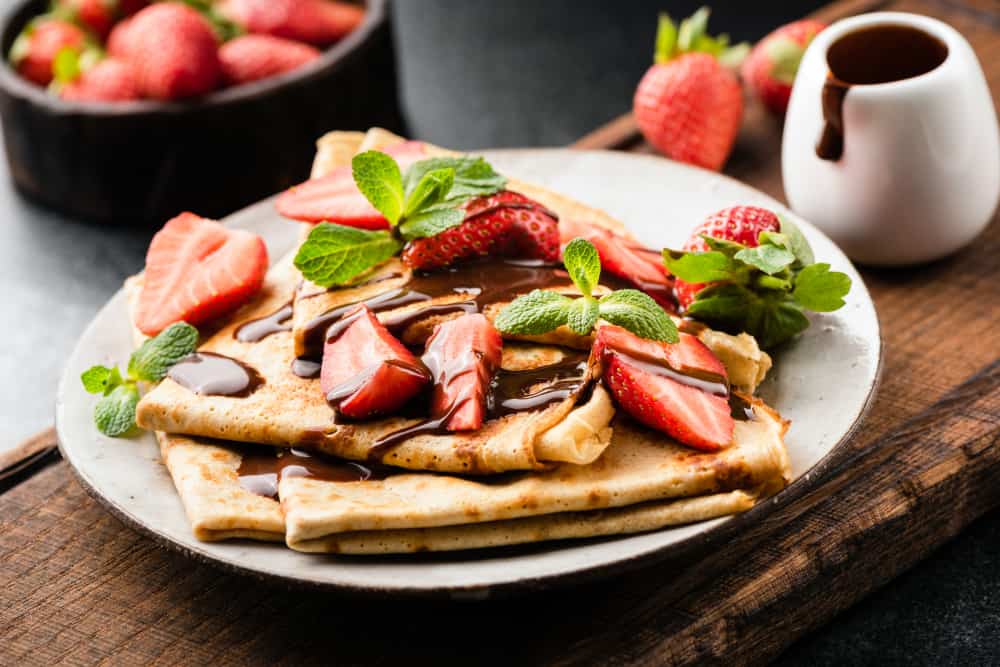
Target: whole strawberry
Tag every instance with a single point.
(174, 51)
(744, 269)
(35, 49)
(96, 15)
(318, 22)
(110, 80)
(770, 68)
(253, 57)
(739, 224)
(689, 104)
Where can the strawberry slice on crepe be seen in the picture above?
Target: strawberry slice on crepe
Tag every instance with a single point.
(679, 389)
(197, 270)
(366, 370)
(641, 267)
(336, 198)
(463, 355)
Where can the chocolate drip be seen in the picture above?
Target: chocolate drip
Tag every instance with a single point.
(706, 381)
(261, 328)
(371, 281)
(211, 374)
(484, 282)
(306, 368)
(400, 322)
(537, 388)
(262, 468)
(873, 55)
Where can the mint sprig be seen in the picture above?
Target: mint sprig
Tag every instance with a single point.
(424, 201)
(764, 290)
(114, 414)
(542, 311)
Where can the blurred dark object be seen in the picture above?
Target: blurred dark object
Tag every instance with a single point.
(141, 163)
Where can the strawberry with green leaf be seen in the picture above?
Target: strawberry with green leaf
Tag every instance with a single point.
(746, 269)
(542, 311)
(439, 211)
(771, 67)
(35, 50)
(114, 414)
(689, 104)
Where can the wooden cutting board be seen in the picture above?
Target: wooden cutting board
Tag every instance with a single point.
(81, 588)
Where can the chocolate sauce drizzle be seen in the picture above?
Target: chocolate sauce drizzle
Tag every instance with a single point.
(483, 283)
(867, 56)
(211, 374)
(259, 329)
(262, 468)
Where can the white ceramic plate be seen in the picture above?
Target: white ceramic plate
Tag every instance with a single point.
(823, 382)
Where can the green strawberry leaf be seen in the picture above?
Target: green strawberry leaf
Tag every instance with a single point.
(820, 289)
(333, 254)
(734, 55)
(431, 222)
(777, 323)
(432, 189)
(666, 39)
(582, 315)
(796, 242)
(377, 177)
(699, 267)
(534, 313)
(583, 264)
(785, 55)
(727, 305)
(114, 413)
(639, 313)
(100, 379)
(692, 30)
(474, 177)
(768, 258)
(155, 356)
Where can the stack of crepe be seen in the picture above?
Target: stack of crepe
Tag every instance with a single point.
(573, 469)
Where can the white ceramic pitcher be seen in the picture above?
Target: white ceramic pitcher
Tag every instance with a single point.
(918, 176)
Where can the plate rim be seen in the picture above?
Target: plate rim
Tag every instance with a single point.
(585, 572)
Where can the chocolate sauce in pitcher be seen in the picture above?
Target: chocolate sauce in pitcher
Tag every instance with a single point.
(868, 56)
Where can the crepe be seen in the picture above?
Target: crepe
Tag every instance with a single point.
(288, 410)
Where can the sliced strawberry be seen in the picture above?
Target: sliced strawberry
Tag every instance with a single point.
(677, 389)
(535, 230)
(463, 355)
(641, 267)
(482, 235)
(196, 270)
(336, 198)
(366, 370)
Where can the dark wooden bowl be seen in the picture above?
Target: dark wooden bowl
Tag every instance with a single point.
(143, 162)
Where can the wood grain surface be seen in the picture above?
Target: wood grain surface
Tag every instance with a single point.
(79, 588)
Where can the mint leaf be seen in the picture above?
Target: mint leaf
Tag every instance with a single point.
(474, 177)
(583, 264)
(779, 322)
(100, 379)
(727, 248)
(377, 176)
(820, 289)
(768, 258)
(333, 254)
(431, 222)
(114, 413)
(639, 313)
(797, 242)
(534, 313)
(432, 188)
(699, 267)
(582, 315)
(155, 356)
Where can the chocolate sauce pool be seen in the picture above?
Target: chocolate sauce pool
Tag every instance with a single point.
(873, 55)
(211, 374)
(262, 468)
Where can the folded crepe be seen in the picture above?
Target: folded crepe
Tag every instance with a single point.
(642, 482)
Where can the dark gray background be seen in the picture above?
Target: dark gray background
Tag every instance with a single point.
(479, 74)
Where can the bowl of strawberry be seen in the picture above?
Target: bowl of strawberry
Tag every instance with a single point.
(129, 111)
